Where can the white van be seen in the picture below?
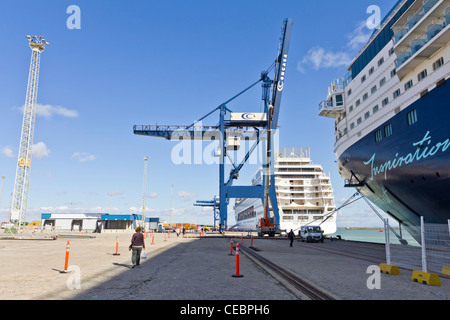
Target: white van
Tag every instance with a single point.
(311, 234)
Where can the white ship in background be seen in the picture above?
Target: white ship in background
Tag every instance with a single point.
(304, 194)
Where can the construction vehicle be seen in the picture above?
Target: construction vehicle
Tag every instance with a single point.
(267, 225)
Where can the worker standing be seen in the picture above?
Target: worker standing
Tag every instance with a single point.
(291, 237)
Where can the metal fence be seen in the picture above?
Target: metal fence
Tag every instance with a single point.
(431, 255)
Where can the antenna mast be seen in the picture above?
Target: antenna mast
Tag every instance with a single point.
(22, 181)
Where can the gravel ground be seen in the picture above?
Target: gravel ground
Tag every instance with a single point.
(191, 269)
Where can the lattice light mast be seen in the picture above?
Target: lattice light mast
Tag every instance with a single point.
(22, 181)
(144, 192)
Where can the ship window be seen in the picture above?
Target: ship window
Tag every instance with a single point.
(352, 125)
(385, 101)
(396, 93)
(358, 121)
(350, 109)
(349, 92)
(380, 62)
(375, 109)
(378, 136)
(358, 102)
(438, 64)
(393, 72)
(365, 96)
(412, 117)
(374, 88)
(408, 85)
(367, 115)
(371, 70)
(388, 130)
(391, 51)
(440, 83)
(422, 75)
(382, 82)
(339, 100)
(363, 78)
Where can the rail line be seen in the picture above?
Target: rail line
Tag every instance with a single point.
(306, 288)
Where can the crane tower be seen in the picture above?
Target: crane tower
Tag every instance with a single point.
(22, 181)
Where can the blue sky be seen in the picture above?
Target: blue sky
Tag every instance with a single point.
(163, 62)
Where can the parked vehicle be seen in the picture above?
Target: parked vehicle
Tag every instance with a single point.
(311, 234)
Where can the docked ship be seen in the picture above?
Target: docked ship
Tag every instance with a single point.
(304, 194)
(390, 115)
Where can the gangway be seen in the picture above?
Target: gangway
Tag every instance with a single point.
(246, 126)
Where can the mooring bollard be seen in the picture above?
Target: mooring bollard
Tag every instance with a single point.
(117, 247)
(237, 275)
(66, 263)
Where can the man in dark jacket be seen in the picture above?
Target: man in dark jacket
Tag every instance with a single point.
(291, 237)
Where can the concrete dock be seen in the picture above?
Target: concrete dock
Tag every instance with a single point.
(178, 268)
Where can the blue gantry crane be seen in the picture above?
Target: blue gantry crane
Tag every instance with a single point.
(255, 127)
(215, 204)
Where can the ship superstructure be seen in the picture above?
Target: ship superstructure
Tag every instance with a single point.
(390, 113)
(304, 194)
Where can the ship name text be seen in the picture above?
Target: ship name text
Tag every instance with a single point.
(422, 152)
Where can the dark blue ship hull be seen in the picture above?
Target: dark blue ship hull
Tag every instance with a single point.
(407, 174)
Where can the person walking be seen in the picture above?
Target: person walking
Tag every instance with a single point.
(291, 237)
(136, 246)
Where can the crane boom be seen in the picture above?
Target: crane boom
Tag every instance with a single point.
(280, 71)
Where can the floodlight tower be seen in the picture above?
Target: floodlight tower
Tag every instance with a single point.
(22, 180)
(144, 192)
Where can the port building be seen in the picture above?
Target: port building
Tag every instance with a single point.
(94, 221)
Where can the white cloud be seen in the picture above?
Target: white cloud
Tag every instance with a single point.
(186, 194)
(40, 150)
(320, 58)
(47, 111)
(359, 36)
(152, 195)
(7, 152)
(83, 156)
(115, 193)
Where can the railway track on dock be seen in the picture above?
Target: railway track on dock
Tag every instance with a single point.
(298, 283)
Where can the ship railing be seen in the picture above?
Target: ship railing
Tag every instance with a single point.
(336, 86)
(420, 13)
(431, 32)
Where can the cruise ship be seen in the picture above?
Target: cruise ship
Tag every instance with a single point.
(304, 194)
(390, 115)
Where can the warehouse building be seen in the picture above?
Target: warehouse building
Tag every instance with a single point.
(90, 221)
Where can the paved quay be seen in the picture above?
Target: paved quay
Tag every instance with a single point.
(180, 268)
